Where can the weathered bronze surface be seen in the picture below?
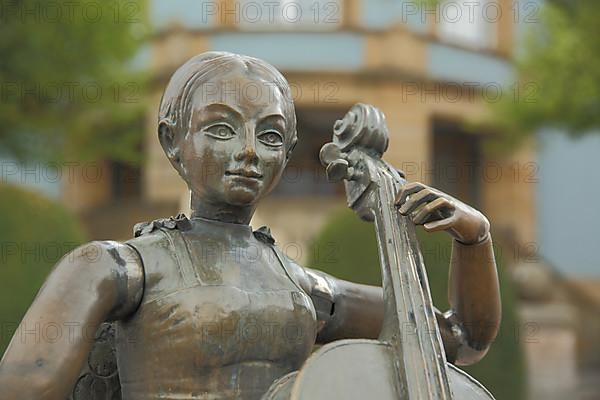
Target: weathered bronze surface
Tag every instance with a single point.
(205, 308)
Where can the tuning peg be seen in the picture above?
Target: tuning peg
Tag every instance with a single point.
(329, 153)
(337, 170)
(336, 163)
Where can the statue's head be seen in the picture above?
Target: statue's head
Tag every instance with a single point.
(227, 124)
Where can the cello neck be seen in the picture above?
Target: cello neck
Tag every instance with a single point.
(409, 322)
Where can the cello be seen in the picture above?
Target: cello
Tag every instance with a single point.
(407, 361)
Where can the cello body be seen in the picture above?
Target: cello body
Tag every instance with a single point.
(358, 369)
(407, 361)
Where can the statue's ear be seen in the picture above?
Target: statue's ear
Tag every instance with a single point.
(168, 141)
(289, 151)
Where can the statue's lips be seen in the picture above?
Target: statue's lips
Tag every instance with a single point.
(250, 175)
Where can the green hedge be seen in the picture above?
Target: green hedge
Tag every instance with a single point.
(352, 255)
(34, 233)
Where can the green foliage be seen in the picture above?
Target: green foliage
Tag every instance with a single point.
(69, 89)
(35, 233)
(561, 62)
(502, 371)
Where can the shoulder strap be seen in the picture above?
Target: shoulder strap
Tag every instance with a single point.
(182, 256)
(172, 228)
(263, 234)
(286, 267)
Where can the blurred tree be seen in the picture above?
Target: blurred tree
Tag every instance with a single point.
(27, 254)
(70, 88)
(559, 73)
(348, 250)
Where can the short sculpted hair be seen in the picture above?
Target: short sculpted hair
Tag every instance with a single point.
(176, 103)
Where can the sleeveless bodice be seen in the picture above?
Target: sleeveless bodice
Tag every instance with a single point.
(221, 317)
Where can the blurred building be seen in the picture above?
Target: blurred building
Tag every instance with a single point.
(433, 72)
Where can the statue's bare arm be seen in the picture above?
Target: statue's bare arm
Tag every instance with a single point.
(96, 282)
(350, 310)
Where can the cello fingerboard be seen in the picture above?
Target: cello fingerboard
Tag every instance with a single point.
(409, 324)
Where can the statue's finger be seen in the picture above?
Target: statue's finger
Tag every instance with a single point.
(407, 190)
(436, 210)
(415, 200)
(439, 225)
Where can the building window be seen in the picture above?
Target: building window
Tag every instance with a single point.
(469, 23)
(457, 161)
(290, 14)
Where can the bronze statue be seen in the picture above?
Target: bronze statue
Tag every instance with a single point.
(205, 308)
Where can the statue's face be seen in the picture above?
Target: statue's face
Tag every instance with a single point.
(235, 151)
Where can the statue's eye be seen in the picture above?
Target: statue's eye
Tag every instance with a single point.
(220, 131)
(271, 138)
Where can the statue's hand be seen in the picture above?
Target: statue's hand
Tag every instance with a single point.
(437, 211)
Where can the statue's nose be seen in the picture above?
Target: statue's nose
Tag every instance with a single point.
(248, 152)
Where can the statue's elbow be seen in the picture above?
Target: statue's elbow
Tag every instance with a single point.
(467, 355)
(474, 344)
(467, 344)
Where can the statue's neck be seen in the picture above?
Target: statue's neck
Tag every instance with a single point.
(221, 211)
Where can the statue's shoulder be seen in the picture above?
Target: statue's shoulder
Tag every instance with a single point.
(99, 377)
